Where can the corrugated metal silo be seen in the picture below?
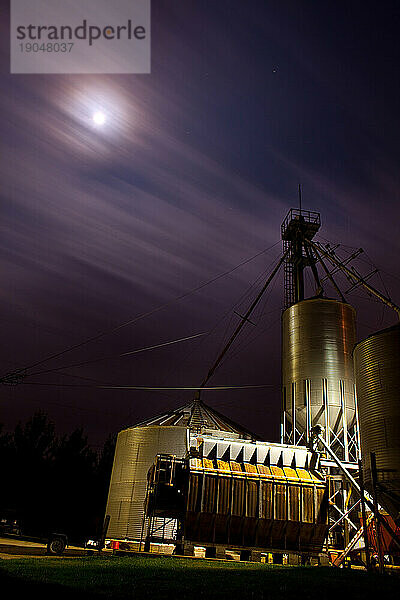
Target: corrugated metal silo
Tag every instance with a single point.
(377, 370)
(318, 338)
(135, 452)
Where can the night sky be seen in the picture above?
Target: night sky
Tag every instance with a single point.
(191, 175)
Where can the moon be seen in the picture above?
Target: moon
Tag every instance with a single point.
(99, 118)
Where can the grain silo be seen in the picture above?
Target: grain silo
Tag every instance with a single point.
(377, 369)
(318, 337)
(135, 453)
(193, 477)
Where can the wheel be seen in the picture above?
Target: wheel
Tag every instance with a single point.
(56, 546)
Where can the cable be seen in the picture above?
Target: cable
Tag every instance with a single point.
(114, 356)
(369, 262)
(244, 318)
(224, 315)
(248, 337)
(247, 294)
(142, 316)
(246, 342)
(219, 388)
(150, 388)
(373, 265)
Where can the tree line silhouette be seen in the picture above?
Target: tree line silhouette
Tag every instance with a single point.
(53, 484)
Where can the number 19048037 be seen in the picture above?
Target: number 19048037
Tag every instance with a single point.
(46, 47)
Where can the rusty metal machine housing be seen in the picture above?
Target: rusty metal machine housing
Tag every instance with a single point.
(377, 370)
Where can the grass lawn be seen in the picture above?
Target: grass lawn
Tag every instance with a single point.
(142, 577)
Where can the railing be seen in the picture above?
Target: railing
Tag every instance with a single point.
(294, 214)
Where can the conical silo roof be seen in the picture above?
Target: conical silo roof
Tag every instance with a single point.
(199, 417)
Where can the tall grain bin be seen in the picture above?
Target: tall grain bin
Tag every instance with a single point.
(318, 337)
(377, 371)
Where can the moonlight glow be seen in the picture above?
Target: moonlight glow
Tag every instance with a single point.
(99, 118)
